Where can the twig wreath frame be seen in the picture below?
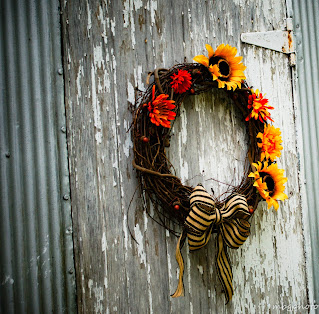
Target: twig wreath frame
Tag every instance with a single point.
(200, 213)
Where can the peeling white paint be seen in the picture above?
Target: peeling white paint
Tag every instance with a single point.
(89, 24)
(130, 92)
(98, 56)
(140, 247)
(128, 144)
(113, 26)
(169, 265)
(79, 76)
(104, 250)
(96, 109)
(90, 285)
(184, 124)
(190, 22)
(139, 77)
(200, 269)
(125, 229)
(138, 4)
(150, 299)
(99, 298)
(153, 9)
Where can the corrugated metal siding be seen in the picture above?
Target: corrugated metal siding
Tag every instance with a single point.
(36, 260)
(306, 17)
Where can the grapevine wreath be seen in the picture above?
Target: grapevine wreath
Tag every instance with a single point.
(195, 209)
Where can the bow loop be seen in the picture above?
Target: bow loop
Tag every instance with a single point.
(233, 230)
(236, 207)
(201, 199)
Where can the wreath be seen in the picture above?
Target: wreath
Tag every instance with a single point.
(194, 208)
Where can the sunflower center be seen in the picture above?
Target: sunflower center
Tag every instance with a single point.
(270, 183)
(222, 64)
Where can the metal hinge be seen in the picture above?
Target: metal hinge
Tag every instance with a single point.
(282, 41)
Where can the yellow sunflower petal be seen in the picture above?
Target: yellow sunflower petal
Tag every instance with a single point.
(214, 70)
(221, 84)
(256, 165)
(236, 60)
(272, 202)
(202, 60)
(210, 50)
(281, 196)
(219, 49)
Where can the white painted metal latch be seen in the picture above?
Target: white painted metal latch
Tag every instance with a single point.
(281, 40)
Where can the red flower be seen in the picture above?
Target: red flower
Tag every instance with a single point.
(159, 109)
(181, 82)
(259, 107)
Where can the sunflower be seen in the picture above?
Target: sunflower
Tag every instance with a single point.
(270, 143)
(181, 82)
(159, 109)
(269, 181)
(259, 108)
(224, 66)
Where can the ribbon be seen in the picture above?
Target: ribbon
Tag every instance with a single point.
(233, 228)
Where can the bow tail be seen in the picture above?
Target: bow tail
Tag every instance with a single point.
(224, 271)
(179, 258)
(195, 242)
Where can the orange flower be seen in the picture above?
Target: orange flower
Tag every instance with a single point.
(259, 106)
(270, 143)
(224, 67)
(159, 109)
(269, 181)
(181, 82)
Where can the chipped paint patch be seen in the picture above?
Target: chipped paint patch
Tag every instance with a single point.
(140, 247)
(128, 144)
(130, 92)
(79, 76)
(99, 298)
(200, 269)
(98, 56)
(96, 109)
(90, 285)
(139, 77)
(153, 9)
(89, 23)
(104, 250)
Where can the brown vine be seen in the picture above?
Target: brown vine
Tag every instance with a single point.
(154, 170)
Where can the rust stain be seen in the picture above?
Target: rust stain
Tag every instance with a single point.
(290, 42)
(289, 48)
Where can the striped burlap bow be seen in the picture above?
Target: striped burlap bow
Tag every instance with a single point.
(232, 230)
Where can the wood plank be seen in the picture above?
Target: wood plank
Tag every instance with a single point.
(108, 49)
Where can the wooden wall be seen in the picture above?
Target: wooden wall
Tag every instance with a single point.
(109, 47)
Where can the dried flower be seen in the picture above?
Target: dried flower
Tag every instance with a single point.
(270, 143)
(181, 82)
(259, 107)
(159, 109)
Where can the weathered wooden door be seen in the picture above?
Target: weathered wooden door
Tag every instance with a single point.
(109, 47)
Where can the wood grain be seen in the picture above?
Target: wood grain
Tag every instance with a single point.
(109, 47)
